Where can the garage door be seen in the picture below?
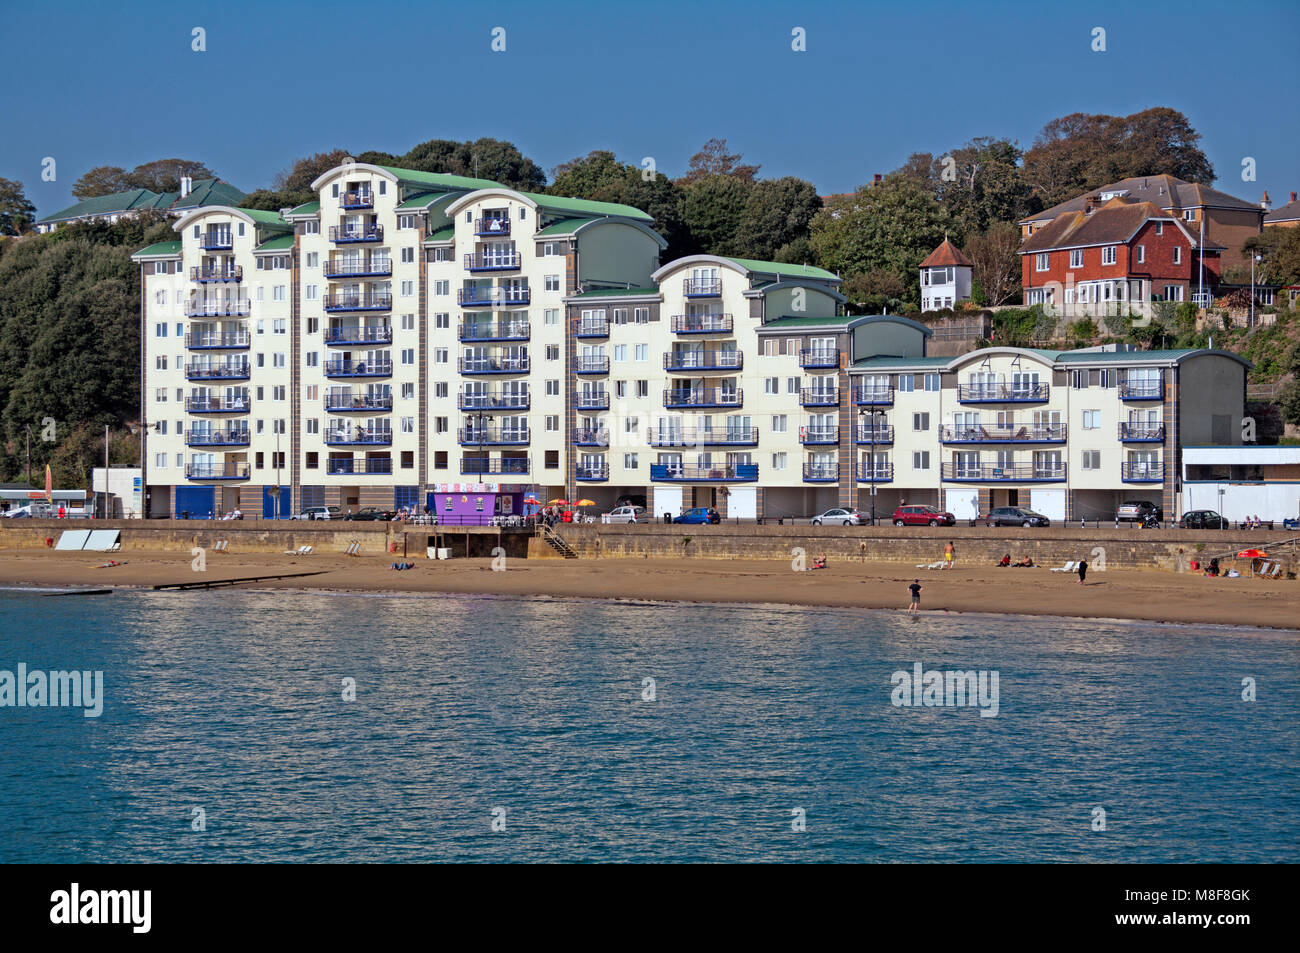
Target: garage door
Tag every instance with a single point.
(198, 501)
(963, 504)
(668, 499)
(742, 502)
(271, 510)
(1051, 503)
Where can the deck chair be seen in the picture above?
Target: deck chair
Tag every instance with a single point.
(1072, 566)
(935, 565)
(221, 546)
(300, 551)
(1275, 571)
(354, 548)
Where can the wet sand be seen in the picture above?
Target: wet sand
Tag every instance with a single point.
(1125, 594)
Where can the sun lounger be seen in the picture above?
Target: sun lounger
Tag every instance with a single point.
(1275, 571)
(300, 551)
(221, 546)
(354, 548)
(1068, 567)
(938, 565)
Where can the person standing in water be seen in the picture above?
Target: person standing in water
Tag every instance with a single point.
(915, 589)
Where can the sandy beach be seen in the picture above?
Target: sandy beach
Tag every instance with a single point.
(1127, 594)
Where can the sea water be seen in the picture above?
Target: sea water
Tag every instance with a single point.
(295, 726)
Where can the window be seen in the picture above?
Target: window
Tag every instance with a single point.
(1092, 459)
(309, 292)
(278, 326)
(553, 388)
(160, 395)
(906, 383)
(779, 423)
(620, 388)
(1141, 254)
(440, 459)
(552, 424)
(160, 461)
(620, 350)
(771, 347)
(1160, 228)
(313, 258)
(277, 392)
(408, 459)
(932, 382)
(551, 316)
(408, 255)
(442, 254)
(920, 459)
(160, 362)
(620, 315)
(313, 425)
(1092, 420)
(1076, 258)
(553, 352)
(1178, 254)
(771, 385)
(408, 289)
(641, 315)
(551, 249)
(792, 345)
(921, 421)
(440, 425)
(408, 355)
(442, 287)
(552, 456)
(442, 320)
(162, 426)
(552, 282)
(408, 322)
(643, 388)
(1041, 261)
(1108, 255)
(160, 330)
(792, 385)
(408, 425)
(778, 461)
(440, 355)
(277, 359)
(629, 461)
(277, 293)
(440, 389)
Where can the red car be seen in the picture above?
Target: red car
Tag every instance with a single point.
(922, 516)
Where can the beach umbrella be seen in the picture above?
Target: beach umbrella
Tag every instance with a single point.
(1252, 554)
(532, 501)
(558, 503)
(585, 503)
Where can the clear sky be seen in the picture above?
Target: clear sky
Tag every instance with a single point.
(102, 83)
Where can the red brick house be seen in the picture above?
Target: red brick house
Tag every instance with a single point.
(1114, 257)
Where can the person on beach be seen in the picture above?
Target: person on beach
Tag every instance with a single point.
(915, 588)
(1005, 560)
(949, 553)
(1083, 572)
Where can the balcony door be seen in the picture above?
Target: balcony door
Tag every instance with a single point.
(966, 463)
(1047, 464)
(1024, 383)
(1047, 422)
(966, 425)
(704, 279)
(1144, 464)
(739, 427)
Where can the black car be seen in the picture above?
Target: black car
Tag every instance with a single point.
(1138, 511)
(371, 514)
(1014, 516)
(1202, 519)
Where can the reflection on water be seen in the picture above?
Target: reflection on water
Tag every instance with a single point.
(232, 702)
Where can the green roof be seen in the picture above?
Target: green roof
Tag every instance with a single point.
(209, 192)
(618, 293)
(279, 243)
(107, 205)
(883, 361)
(425, 199)
(440, 181)
(566, 226)
(792, 322)
(784, 269)
(262, 217)
(443, 234)
(560, 203)
(1083, 357)
(159, 248)
(306, 208)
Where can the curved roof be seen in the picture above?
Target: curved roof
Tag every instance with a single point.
(434, 181)
(1056, 358)
(569, 207)
(749, 266)
(253, 216)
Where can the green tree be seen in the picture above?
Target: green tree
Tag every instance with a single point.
(995, 260)
(16, 212)
(714, 159)
(102, 180)
(775, 216)
(713, 207)
(164, 175)
(599, 176)
(483, 158)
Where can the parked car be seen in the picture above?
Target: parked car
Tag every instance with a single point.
(626, 514)
(1202, 519)
(370, 514)
(1291, 524)
(319, 513)
(922, 516)
(1138, 511)
(631, 499)
(1014, 516)
(844, 517)
(18, 513)
(698, 514)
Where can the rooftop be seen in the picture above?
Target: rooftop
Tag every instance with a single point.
(1164, 191)
(946, 254)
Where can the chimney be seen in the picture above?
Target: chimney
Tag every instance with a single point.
(1266, 203)
(876, 178)
(1090, 203)
(186, 185)
(1292, 196)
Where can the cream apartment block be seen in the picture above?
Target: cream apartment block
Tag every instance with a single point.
(418, 339)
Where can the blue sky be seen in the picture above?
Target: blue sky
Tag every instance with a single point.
(108, 84)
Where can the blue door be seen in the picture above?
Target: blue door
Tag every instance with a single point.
(269, 508)
(196, 502)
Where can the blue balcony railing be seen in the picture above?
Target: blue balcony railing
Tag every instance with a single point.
(494, 331)
(216, 471)
(819, 436)
(1142, 472)
(342, 368)
(492, 226)
(233, 371)
(493, 365)
(237, 437)
(216, 405)
(373, 301)
(880, 473)
(592, 400)
(508, 261)
(991, 473)
(360, 198)
(345, 465)
(493, 401)
(820, 397)
(358, 438)
(722, 472)
(702, 287)
(1142, 390)
(882, 434)
(500, 466)
(591, 471)
(216, 241)
(355, 334)
(704, 397)
(592, 328)
(237, 308)
(590, 437)
(375, 267)
(217, 273)
(345, 401)
(217, 340)
(352, 234)
(873, 395)
(1012, 433)
(700, 324)
(492, 436)
(590, 365)
(821, 472)
(691, 362)
(1003, 393)
(819, 357)
(489, 297)
(704, 437)
(1142, 433)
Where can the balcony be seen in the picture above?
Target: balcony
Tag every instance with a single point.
(728, 437)
(701, 324)
(372, 301)
(504, 466)
(378, 267)
(343, 368)
(344, 402)
(702, 287)
(477, 261)
(873, 395)
(335, 466)
(233, 371)
(494, 401)
(494, 331)
(882, 435)
(355, 234)
(1015, 433)
(819, 397)
(217, 309)
(592, 400)
(821, 473)
(217, 241)
(493, 365)
(1142, 472)
(721, 473)
(217, 340)
(362, 198)
(216, 471)
(990, 473)
(493, 436)
(359, 437)
(342, 335)
(1003, 393)
(880, 473)
(591, 472)
(588, 437)
(590, 365)
(492, 227)
(688, 362)
(216, 405)
(819, 436)
(1142, 390)
(216, 273)
(817, 357)
(490, 297)
(592, 329)
(217, 438)
(1142, 433)
(704, 397)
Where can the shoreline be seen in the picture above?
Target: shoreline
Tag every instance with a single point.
(1115, 595)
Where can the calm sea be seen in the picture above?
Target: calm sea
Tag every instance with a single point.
(536, 716)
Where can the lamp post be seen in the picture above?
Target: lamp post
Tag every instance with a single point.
(28, 428)
(1253, 259)
(871, 457)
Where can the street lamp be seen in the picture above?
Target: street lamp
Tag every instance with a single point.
(871, 456)
(1253, 259)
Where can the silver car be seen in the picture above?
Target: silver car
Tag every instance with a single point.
(626, 514)
(320, 513)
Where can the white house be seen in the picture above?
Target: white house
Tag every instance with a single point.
(945, 278)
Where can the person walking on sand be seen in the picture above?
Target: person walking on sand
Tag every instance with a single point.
(915, 588)
(1083, 571)
(949, 553)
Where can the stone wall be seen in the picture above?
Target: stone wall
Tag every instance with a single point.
(245, 536)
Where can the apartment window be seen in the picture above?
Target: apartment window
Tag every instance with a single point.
(258, 392)
(408, 459)
(1092, 420)
(277, 359)
(1141, 254)
(313, 425)
(278, 326)
(405, 221)
(335, 190)
(408, 355)
(442, 287)
(313, 258)
(771, 385)
(771, 347)
(552, 456)
(932, 382)
(442, 254)
(160, 461)
(620, 351)
(160, 330)
(552, 282)
(641, 315)
(440, 389)
(643, 388)
(442, 320)
(552, 423)
(440, 459)
(1076, 258)
(779, 423)
(408, 390)
(313, 325)
(277, 392)
(313, 359)
(778, 461)
(620, 388)
(1178, 254)
(921, 421)
(160, 395)
(632, 425)
(180, 460)
(408, 255)
(180, 394)
(1160, 228)
(906, 383)
(920, 459)
(792, 385)
(551, 249)
(439, 424)
(630, 461)
(309, 292)
(1042, 261)
(160, 362)
(261, 296)
(1173, 292)
(551, 316)
(1108, 255)
(620, 315)
(408, 289)
(162, 426)
(408, 425)
(1092, 459)
(553, 388)
(311, 228)
(160, 297)
(792, 345)
(440, 355)
(312, 392)
(408, 322)
(278, 293)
